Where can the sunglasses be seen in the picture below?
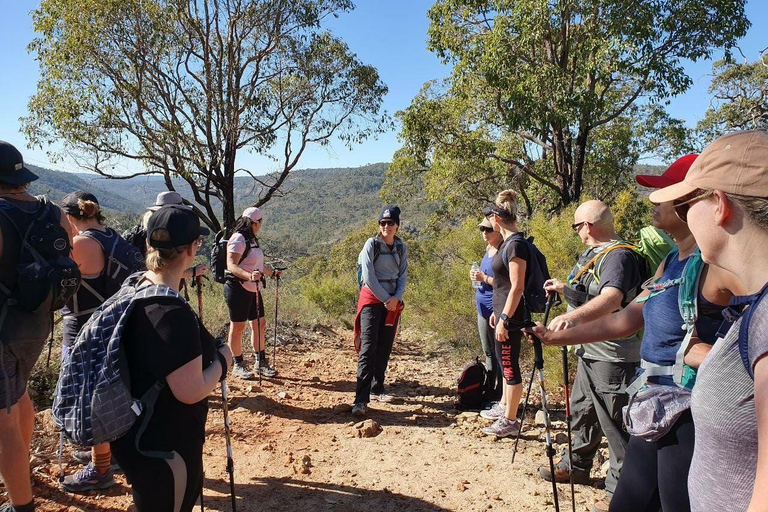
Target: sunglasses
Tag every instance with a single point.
(383, 223)
(576, 226)
(484, 229)
(682, 207)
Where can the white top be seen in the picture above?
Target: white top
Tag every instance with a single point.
(253, 261)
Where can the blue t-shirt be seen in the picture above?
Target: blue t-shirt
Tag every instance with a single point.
(663, 322)
(484, 294)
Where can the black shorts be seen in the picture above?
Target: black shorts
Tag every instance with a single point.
(242, 304)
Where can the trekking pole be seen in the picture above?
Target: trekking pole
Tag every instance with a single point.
(566, 379)
(539, 363)
(258, 332)
(199, 286)
(552, 299)
(230, 459)
(277, 300)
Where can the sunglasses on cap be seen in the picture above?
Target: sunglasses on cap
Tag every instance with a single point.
(682, 207)
(386, 223)
(484, 229)
(577, 225)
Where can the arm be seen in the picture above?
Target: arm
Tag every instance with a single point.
(402, 278)
(517, 280)
(88, 255)
(369, 273)
(198, 270)
(607, 302)
(759, 501)
(697, 352)
(233, 259)
(190, 384)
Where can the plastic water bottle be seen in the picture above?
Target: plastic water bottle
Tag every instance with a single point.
(475, 268)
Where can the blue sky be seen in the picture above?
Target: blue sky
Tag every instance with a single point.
(389, 34)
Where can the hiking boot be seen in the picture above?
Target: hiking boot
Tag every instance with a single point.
(563, 476)
(601, 506)
(383, 398)
(84, 457)
(88, 479)
(359, 410)
(8, 507)
(262, 367)
(496, 411)
(241, 372)
(503, 427)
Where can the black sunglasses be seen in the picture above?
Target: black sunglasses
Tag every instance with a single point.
(386, 223)
(576, 226)
(484, 229)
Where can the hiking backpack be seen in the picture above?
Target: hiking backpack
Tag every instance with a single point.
(734, 312)
(533, 294)
(398, 253)
(93, 402)
(46, 274)
(121, 259)
(472, 386)
(218, 261)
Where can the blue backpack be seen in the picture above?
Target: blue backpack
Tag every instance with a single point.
(121, 258)
(93, 402)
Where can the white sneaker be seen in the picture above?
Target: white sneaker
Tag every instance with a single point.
(383, 398)
(495, 412)
(503, 427)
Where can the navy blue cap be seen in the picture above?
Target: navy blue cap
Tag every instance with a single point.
(182, 224)
(12, 170)
(390, 212)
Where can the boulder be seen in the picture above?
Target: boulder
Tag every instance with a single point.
(367, 428)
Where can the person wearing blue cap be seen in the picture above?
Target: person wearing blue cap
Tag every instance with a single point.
(383, 275)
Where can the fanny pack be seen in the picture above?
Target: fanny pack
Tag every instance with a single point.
(653, 410)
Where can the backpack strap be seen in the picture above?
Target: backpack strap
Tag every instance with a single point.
(745, 306)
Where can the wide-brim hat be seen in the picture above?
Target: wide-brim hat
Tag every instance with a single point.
(168, 198)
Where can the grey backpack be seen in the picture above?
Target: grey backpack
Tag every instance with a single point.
(93, 402)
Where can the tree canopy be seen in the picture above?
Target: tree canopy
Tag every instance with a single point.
(552, 96)
(182, 86)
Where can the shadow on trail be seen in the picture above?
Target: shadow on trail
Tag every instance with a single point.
(290, 495)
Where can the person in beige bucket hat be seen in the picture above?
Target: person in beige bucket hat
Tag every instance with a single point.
(724, 200)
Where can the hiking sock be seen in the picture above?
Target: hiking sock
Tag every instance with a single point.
(239, 359)
(102, 462)
(261, 358)
(29, 507)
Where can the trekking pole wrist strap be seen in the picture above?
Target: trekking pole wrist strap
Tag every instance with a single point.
(224, 366)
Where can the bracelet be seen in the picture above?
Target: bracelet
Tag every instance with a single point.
(224, 366)
(194, 269)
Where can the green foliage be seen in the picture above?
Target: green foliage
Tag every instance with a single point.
(630, 214)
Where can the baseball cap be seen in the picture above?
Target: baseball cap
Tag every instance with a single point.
(69, 203)
(253, 213)
(167, 198)
(390, 212)
(485, 223)
(182, 224)
(12, 170)
(736, 163)
(675, 173)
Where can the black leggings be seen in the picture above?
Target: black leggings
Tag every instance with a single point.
(655, 475)
(508, 352)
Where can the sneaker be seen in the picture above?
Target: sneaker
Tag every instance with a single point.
(88, 479)
(503, 427)
(562, 475)
(601, 506)
(241, 372)
(84, 457)
(495, 412)
(359, 410)
(383, 398)
(262, 367)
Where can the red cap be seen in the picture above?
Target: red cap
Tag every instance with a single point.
(675, 173)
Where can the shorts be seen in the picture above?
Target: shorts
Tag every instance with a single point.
(241, 303)
(16, 363)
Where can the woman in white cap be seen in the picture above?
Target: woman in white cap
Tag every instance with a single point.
(242, 292)
(724, 200)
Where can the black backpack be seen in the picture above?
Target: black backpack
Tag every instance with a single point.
(399, 253)
(47, 277)
(218, 260)
(121, 258)
(534, 295)
(472, 386)
(137, 237)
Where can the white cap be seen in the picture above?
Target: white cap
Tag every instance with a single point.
(253, 213)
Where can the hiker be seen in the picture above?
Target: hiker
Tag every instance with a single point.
(606, 278)
(92, 245)
(484, 302)
(655, 470)
(137, 235)
(165, 341)
(242, 293)
(511, 267)
(383, 276)
(724, 199)
(22, 333)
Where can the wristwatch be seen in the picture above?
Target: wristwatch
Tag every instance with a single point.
(503, 317)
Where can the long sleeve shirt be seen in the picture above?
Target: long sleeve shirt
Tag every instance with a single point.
(386, 277)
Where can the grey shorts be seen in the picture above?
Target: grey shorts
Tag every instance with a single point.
(16, 363)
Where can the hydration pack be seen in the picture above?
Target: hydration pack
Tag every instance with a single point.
(537, 274)
(47, 277)
(472, 386)
(93, 402)
(398, 253)
(121, 258)
(218, 259)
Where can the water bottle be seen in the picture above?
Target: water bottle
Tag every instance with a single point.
(475, 268)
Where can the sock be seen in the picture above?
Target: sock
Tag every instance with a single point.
(239, 359)
(102, 462)
(29, 507)
(262, 354)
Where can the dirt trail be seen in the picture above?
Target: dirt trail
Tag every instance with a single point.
(297, 448)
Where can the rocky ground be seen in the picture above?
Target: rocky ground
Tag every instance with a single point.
(298, 449)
